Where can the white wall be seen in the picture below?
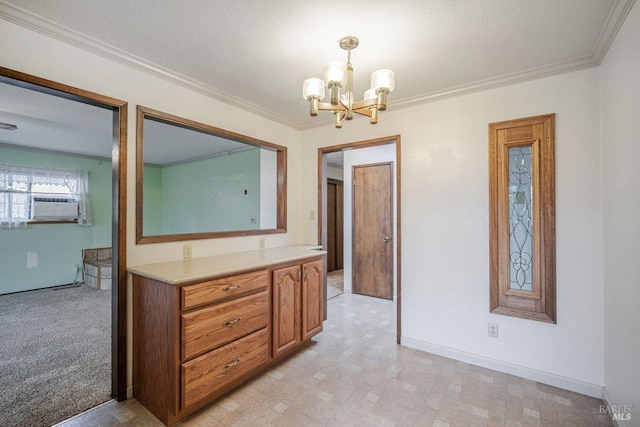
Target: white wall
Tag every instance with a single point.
(33, 53)
(445, 204)
(445, 238)
(268, 188)
(364, 156)
(335, 173)
(620, 93)
(54, 60)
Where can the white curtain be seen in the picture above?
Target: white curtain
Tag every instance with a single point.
(19, 184)
(82, 195)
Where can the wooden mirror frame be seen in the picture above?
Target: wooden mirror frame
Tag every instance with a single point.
(281, 176)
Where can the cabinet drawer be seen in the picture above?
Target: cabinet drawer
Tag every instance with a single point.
(203, 376)
(211, 327)
(215, 290)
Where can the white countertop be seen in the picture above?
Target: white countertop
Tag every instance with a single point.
(191, 270)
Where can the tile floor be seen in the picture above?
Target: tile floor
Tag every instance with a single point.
(335, 283)
(354, 374)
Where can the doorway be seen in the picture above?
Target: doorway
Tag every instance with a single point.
(372, 210)
(335, 225)
(335, 232)
(117, 204)
(324, 153)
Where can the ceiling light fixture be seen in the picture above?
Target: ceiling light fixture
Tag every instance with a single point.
(337, 76)
(8, 126)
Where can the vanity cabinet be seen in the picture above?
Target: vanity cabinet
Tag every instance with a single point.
(195, 341)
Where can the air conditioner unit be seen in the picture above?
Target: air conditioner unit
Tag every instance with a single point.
(48, 209)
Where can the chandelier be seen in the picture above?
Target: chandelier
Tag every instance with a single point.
(338, 76)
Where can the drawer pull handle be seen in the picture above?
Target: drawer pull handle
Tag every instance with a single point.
(231, 323)
(231, 288)
(232, 364)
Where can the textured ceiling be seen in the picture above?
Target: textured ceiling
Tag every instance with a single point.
(52, 123)
(257, 53)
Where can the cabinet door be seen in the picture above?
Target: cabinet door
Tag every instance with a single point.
(312, 299)
(286, 309)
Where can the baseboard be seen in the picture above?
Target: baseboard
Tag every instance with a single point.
(129, 391)
(577, 386)
(606, 399)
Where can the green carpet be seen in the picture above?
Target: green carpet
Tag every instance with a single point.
(55, 354)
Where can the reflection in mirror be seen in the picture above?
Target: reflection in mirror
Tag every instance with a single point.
(196, 181)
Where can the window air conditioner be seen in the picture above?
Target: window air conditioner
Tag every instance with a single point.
(50, 209)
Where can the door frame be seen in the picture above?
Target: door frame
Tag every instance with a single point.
(322, 213)
(353, 218)
(118, 214)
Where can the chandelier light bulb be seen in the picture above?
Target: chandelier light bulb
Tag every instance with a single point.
(313, 88)
(335, 73)
(383, 79)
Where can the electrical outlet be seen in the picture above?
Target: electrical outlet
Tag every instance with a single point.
(312, 215)
(186, 251)
(261, 243)
(493, 330)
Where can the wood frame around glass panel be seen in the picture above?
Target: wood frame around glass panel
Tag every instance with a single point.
(281, 176)
(539, 303)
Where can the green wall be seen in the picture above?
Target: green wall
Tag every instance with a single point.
(205, 195)
(59, 246)
(152, 201)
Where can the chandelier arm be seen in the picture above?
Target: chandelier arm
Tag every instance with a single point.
(363, 112)
(327, 106)
(366, 103)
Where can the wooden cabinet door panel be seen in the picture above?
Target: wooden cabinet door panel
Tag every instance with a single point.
(312, 297)
(205, 375)
(211, 327)
(286, 309)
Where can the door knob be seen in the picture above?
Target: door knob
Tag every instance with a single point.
(386, 239)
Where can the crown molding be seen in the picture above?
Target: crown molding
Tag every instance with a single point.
(500, 81)
(614, 22)
(26, 19)
(482, 85)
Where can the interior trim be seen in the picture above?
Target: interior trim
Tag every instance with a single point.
(570, 384)
(119, 211)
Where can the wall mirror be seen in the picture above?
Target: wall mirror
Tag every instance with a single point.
(196, 181)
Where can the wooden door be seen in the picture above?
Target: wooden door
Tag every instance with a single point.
(373, 230)
(335, 224)
(286, 309)
(312, 299)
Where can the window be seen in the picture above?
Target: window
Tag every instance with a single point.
(522, 218)
(29, 194)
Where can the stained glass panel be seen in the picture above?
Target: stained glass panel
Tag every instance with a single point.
(520, 219)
